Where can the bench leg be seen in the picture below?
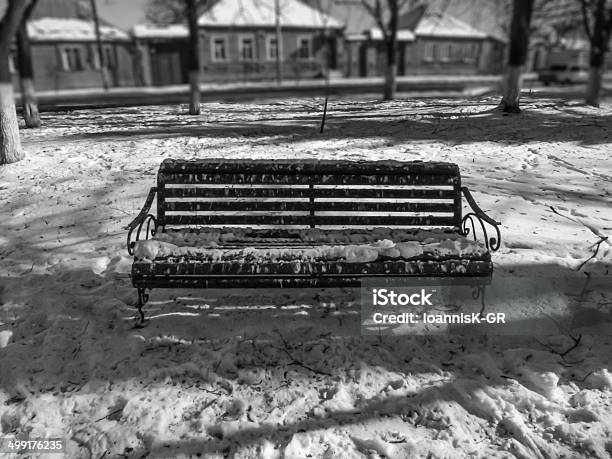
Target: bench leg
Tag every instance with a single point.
(142, 299)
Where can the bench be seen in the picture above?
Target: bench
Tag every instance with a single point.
(270, 223)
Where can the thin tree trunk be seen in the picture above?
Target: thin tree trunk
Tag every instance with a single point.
(194, 58)
(519, 44)
(10, 144)
(599, 44)
(279, 38)
(391, 49)
(26, 78)
(103, 68)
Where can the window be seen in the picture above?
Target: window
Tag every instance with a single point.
(271, 48)
(247, 47)
(72, 59)
(470, 52)
(445, 52)
(429, 53)
(304, 50)
(107, 52)
(12, 62)
(219, 51)
(109, 56)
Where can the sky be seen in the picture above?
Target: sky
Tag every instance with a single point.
(122, 13)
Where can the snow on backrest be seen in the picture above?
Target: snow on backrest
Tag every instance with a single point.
(308, 193)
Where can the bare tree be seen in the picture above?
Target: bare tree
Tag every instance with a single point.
(181, 11)
(10, 144)
(387, 19)
(597, 16)
(25, 69)
(517, 56)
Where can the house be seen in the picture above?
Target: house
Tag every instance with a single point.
(430, 41)
(65, 54)
(238, 42)
(64, 49)
(445, 44)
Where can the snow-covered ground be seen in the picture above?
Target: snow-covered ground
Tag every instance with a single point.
(284, 373)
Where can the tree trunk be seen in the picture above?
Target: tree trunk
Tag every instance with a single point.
(194, 58)
(390, 82)
(512, 89)
(594, 86)
(519, 44)
(10, 145)
(599, 44)
(26, 78)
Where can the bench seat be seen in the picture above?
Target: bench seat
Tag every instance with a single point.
(431, 253)
(306, 223)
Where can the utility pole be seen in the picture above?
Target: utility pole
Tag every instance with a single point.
(279, 48)
(96, 19)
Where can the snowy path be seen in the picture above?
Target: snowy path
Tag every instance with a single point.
(262, 374)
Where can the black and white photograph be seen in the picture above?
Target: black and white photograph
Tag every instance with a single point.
(291, 229)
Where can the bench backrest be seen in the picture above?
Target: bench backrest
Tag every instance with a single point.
(311, 193)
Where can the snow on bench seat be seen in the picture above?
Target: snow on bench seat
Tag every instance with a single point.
(354, 246)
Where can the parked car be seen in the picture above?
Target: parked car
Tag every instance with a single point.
(564, 74)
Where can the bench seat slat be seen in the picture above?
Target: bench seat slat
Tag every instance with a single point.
(306, 220)
(231, 206)
(461, 266)
(276, 281)
(352, 193)
(356, 206)
(296, 166)
(227, 206)
(324, 179)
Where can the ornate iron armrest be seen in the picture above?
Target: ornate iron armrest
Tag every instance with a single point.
(492, 243)
(144, 217)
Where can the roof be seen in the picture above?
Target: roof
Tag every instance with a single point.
(377, 35)
(351, 13)
(160, 31)
(443, 25)
(72, 29)
(293, 13)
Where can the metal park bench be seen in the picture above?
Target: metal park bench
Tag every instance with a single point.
(267, 206)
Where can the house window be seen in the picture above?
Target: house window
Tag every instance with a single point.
(429, 52)
(470, 52)
(109, 57)
(219, 51)
(247, 47)
(304, 50)
(72, 59)
(474, 51)
(445, 52)
(271, 48)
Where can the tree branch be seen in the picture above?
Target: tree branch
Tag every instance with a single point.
(376, 12)
(585, 18)
(11, 20)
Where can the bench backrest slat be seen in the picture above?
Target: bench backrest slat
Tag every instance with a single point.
(308, 193)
